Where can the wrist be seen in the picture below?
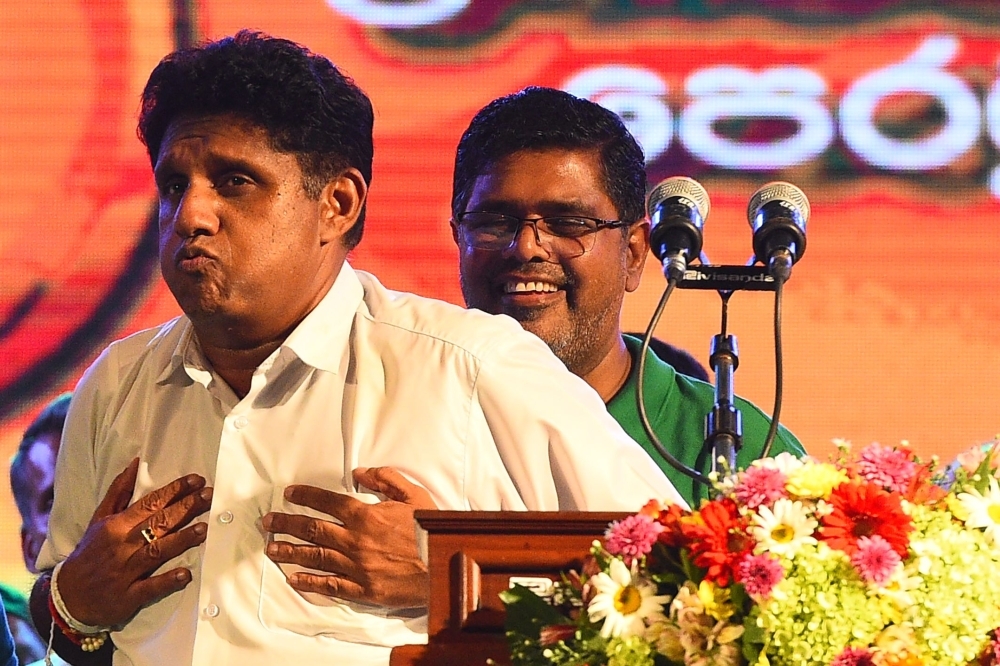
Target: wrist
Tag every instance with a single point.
(88, 637)
(86, 642)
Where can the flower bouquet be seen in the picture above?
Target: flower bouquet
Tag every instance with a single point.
(873, 558)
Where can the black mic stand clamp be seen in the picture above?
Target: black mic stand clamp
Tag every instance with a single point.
(724, 424)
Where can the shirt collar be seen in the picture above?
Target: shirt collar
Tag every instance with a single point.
(186, 355)
(328, 327)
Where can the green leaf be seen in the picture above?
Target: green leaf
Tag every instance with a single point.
(753, 639)
(741, 600)
(984, 472)
(692, 571)
(527, 613)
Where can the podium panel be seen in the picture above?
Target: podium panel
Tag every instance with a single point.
(472, 556)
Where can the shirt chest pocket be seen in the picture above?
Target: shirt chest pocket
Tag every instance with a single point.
(282, 608)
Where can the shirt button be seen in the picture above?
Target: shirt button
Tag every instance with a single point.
(226, 517)
(211, 610)
(241, 422)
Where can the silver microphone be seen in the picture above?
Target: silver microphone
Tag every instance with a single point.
(778, 213)
(677, 209)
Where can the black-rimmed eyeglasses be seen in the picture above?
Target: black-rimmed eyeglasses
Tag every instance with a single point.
(565, 235)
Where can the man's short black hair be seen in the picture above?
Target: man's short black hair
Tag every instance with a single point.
(305, 104)
(48, 422)
(542, 118)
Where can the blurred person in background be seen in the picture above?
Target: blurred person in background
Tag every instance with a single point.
(32, 472)
(682, 360)
(7, 654)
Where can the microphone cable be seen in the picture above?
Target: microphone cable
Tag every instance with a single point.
(640, 398)
(779, 371)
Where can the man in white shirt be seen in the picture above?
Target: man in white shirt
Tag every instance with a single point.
(253, 431)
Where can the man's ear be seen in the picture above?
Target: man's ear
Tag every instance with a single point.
(454, 231)
(341, 203)
(638, 248)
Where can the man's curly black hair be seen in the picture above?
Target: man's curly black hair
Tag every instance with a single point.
(541, 118)
(305, 104)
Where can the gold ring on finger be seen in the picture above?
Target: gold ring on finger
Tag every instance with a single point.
(148, 534)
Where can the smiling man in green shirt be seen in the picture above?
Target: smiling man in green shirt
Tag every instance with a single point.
(548, 212)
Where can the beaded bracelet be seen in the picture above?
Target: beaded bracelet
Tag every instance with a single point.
(87, 637)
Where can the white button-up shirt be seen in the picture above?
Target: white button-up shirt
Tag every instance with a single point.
(468, 405)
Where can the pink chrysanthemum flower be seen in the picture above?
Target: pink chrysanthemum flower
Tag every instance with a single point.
(759, 574)
(991, 653)
(632, 537)
(875, 560)
(853, 657)
(761, 486)
(887, 466)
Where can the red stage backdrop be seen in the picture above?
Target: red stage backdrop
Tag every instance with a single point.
(887, 117)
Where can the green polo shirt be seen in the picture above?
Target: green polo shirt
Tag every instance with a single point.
(676, 406)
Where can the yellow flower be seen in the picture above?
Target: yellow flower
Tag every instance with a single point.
(896, 645)
(715, 599)
(956, 507)
(815, 480)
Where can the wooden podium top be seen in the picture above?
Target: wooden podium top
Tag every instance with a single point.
(517, 522)
(472, 556)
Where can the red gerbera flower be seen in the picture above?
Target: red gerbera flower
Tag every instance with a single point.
(717, 539)
(863, 510)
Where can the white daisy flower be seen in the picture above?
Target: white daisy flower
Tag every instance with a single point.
(984, 510)
(783, 528)
(624, 603)
(784, 462)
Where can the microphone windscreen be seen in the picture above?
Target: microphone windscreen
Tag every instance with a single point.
(679, 186)
(778, 191)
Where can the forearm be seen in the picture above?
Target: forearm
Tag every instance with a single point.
(63, 646)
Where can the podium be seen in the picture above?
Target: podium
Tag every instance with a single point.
(472, 556)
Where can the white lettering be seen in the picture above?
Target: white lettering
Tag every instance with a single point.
(724, 92)
(734, 92)
(399, 14)
(993, 129)
(922, 72)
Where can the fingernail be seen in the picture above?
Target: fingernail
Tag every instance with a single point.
(294, 579)
(193, 480)
(272, 549)
(206, 494)
(289, 492)
(266, 521)
(200, 529)
(181, 575)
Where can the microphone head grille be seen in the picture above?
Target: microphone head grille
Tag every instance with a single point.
(679, 186)
(778, 190)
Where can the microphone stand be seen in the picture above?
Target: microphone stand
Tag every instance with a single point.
(724, 424)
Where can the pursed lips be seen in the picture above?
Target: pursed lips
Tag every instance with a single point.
(189, 258)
